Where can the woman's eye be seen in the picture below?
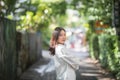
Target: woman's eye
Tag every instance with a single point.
(61, 35)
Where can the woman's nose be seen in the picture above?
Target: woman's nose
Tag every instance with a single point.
(64, 37)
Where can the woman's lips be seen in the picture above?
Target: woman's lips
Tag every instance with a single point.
(63, 40)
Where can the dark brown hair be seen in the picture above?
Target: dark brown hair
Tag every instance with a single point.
(54, 39)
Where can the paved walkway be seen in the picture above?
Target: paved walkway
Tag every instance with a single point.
(45, 70)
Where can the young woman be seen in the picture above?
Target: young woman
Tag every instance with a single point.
(65, 64)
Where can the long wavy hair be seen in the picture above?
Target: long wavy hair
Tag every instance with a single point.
(54, 38)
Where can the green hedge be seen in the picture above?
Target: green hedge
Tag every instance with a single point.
(104, 47)
(108, 46)
(94, 46)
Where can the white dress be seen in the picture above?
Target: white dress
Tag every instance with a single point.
(65, 64)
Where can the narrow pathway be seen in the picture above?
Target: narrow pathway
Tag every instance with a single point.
(45, 70)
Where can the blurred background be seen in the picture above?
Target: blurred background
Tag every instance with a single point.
(26, 26)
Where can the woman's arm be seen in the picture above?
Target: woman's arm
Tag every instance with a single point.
(70, 59)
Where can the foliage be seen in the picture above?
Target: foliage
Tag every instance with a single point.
(94, 46)
(7, 6)
(93, 8)
(105, 48)
(109, 56)
(13, 9)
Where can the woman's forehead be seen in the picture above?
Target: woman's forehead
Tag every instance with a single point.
(62, 31)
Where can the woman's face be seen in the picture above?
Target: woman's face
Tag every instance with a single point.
(61, 37)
